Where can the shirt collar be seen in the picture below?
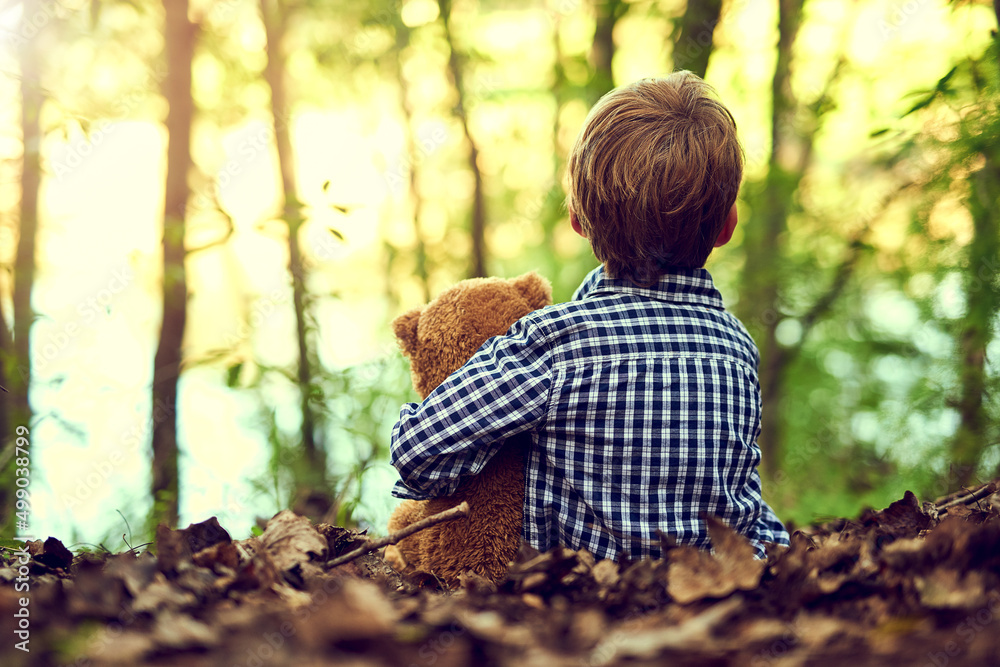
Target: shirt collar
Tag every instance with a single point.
(694, 286)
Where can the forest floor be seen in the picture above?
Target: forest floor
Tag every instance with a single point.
(913, 584)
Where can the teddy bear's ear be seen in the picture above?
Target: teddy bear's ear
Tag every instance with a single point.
(536, 290)
(405, 328)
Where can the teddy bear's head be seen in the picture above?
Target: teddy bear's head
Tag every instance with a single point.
(441, 336)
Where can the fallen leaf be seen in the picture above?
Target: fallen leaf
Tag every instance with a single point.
(179, 632)
(162, 595)
(54, 554)
(693, 633)
(353, 610)
(294, 546)
(222, 554)
(91, 594)
(694, 574)
(205, 534)
(605, 573)
(945, 588)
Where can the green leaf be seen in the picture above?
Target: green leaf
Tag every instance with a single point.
(233, 374)
(921, 104)
(942, 84)
(940, 88)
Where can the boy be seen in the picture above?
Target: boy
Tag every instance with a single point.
(641, 394)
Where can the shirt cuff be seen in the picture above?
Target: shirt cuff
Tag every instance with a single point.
(401, 490)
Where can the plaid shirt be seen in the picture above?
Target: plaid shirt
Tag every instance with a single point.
(643, 407)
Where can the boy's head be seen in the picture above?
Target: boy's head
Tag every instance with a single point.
(653, 176)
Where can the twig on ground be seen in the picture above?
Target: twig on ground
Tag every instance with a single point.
(984, 491)
(371, 545)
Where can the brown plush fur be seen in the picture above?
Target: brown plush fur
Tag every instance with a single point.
(438, 339)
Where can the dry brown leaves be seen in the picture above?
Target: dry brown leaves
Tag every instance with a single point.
(911, 584)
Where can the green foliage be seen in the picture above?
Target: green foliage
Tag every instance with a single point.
(359, 406)
(876, 393)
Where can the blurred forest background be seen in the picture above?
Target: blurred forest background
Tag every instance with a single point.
(210, 210)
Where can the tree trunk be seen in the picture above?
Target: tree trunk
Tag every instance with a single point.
(6, 352)
(602, 49)
(25, 263)
(7, 426)
(759, 299)
(693, 35)
(550, 211)
(180, 36)
(16, 360)
(313, 477)
(982, 296)
(413, 157)
(477, 226)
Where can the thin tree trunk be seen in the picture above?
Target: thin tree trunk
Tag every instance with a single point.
(759, 302)
(180, 35)
(7, 434)
(25, 263)
(15, 342)
(477, 227)
(6, 352)
(550, 212)
(693, 35)
(602, 49)
(982, 296)
(274, 15)
(414, 158)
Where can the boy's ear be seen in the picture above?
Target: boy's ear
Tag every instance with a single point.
(536, 290)
(728, 227)
(574, 222)
(405, 328)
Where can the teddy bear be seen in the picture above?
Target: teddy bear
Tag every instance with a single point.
(438, 338)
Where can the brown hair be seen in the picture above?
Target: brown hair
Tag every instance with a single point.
(653, 174)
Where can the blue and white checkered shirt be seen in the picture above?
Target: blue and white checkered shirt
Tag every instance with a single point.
(643, 407)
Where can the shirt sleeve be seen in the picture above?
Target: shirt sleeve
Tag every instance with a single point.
(771, 528)
(501, 391)
(588, 284)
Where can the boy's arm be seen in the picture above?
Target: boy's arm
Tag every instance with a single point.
(500, 391)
